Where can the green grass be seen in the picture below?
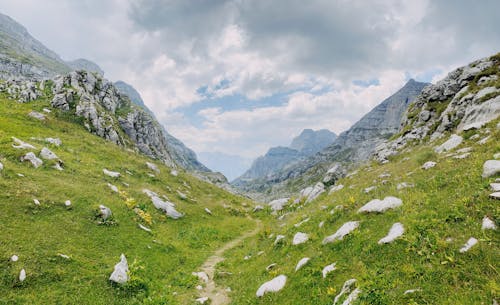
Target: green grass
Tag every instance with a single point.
(448, 201)
(161, 262)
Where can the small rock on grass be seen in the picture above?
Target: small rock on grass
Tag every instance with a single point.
(488, 224)
(273, 285)
(328, 269)
(468, 245)
(22, 275)
(428, 165)
(120, 273)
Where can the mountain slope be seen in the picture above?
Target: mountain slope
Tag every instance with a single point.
(232, 166)
(306, 144)
(22, 55)
(447, 202)
(161, 262)
(180, 153)
(352, 146)
(85, 64)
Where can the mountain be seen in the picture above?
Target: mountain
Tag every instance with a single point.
(354, 145)
(23, 55)
(310, 142)
(85, 64)
(86, 95)
(307, 143)
(180, 153)
(231, 166)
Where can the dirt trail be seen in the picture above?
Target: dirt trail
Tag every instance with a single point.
(216, 294)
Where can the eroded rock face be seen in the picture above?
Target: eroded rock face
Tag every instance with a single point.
(450, 104)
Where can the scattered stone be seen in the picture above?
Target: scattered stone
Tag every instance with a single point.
(469, 244)
(202, 300)
(312, 192)
(14, 258)
(496, 156)
(495, 187)
(113, 187)
(129, 173)
(199, 287)
(300, 238)
(344, 230)
(384, 175)
(428, 165)
(47, 154)
(174, 173)
(335, 188)
(22, 275)
(1, 166)
(490, 168)
(301, 263)
(488, 224)
(151, 175)
(369, 189)
(46, 110)
(105, 212)
(346, 288)
(270, 267)
(37, 115)
(412, 291)
(258, 208)
(120, 274)
(464, 150)
(404, 185)
(278, 204)
(36, 202)
(63, 256)
(395, 232)
(247, 257)
(144, 228)
(58, 166)
(495, 195)
(111, 173)
(182, 195)
(321, 224)
(301, 223)
(167, 206)
(35, 161)
(452, 142)
(20, 175)
(328, 269)
(380, 206)
(201, 276)
(462, 156)
(483, 140)
(208, 211)
(153, 167)
(279, 238)
(273, 285)
(67, 203)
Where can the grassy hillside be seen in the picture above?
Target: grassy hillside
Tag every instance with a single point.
(440, 213)
(161, 262)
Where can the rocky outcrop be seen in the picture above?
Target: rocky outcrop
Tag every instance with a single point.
(85, 64)
(467, 98)
(180, 154)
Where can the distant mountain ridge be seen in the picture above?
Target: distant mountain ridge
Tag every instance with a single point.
(354, 145)
(277, 158)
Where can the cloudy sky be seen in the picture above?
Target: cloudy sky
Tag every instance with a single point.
(243, 75)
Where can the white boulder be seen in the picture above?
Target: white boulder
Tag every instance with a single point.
(105, 212)
(279, 238)
(67, 203)
(452, 142)
(111, 173)
(144, 228)
(167, 206)
(379, 206)
(14, 258)
(47, 154)
(469, 244)
(300, 238)
(153, 167)
(335, 188)
(113, 187)
(207, 210)
(203, 276)
(344, 230)
(21, 144)
(395, 232)
(202, 300)
(301, 263)
(346, 288)
(278, 204)
(328, 269)
(54, 141)
(369, 189)
(37, 115)
(120, 274)
(495, 195)
(429, 164)
(22, 275)
(495, 187)
(488, 224)
(273, 285)
(490, 168)
(35, 161)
